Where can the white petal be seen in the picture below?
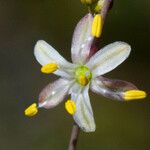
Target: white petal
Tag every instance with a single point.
(82, 40)
(46, 54)
(76, 88)
(84, 114)
(108, 58)
(54, 93)
(112, 89)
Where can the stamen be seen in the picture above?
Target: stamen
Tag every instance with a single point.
(49, 68)
(31, 110)
(134, 94)
(83, 80)
(70, 107)
(97, 26)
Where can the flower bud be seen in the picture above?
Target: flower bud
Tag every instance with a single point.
(88, 2)
(99, 6)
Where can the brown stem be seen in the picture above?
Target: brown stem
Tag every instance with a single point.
(74, 137)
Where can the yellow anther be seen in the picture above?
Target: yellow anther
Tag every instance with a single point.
(83, 80)
(70, 107)
(31, 110)
(97, 26)
(134, 94)
(49, 68)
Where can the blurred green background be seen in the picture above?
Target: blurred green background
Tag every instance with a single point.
(120, 126)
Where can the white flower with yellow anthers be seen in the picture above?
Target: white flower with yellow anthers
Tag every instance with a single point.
(83, 74)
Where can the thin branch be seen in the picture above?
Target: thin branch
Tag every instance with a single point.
(74, 137)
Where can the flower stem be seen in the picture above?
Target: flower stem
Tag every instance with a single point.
(75, 128)
(74, 137)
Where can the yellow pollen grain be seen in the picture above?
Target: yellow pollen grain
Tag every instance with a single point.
(97, 26)
(134, 95)
(70, 106)
(31, 110)
(49, 68)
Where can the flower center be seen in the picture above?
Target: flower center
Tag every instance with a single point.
(83, 75)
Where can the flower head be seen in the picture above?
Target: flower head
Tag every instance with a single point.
(82, 74)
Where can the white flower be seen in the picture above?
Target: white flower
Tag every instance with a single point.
(85, 72)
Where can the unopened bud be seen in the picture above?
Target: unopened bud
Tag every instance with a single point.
(99, 6)
(88, 2)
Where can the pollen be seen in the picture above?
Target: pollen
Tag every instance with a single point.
(134, 94)
(70, 106)
(31, 110)
(97, 26)
(49, 68)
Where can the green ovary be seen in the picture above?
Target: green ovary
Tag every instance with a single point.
(83, 75)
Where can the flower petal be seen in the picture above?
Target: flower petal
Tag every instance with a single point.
(112, 89)
(108, 58)
(84, 114)
(46, 54)
(54, 93)
(82, 40)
